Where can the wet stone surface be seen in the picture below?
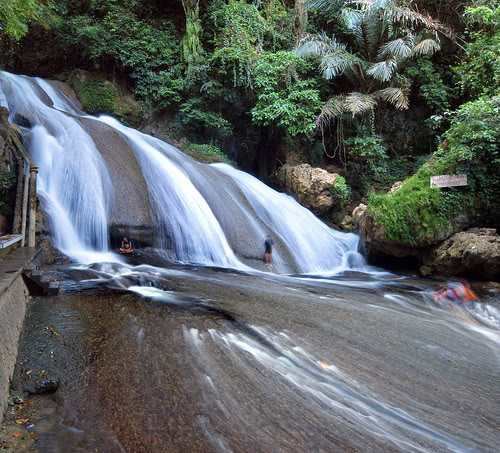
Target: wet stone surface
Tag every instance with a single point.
(181, 358)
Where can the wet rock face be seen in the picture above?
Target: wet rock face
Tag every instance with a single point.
(475, 252)
(311, 185)
(50, 254)
(130, 214)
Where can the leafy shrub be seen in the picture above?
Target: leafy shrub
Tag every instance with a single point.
(368, 150)
(194, 113)
(283, 97)
(341, 191)
(480, 72)
(114, 33)
(431, 87)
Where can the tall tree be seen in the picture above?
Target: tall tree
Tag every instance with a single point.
(191, 42)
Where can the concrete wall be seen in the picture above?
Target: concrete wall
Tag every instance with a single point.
(12, 311)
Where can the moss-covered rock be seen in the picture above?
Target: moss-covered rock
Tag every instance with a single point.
(417, 215)
(100, 96)
(207, 153)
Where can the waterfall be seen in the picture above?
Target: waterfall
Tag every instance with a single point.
(73, 180)
(203, 214)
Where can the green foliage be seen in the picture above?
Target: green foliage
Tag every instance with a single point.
(15, 15)
(150, 52)
(193, 113)
(368, 150)
(341, 191)
(283, 98)
(474, 144)
(430, 85)
(480, 72)
(191, 43)
(242, 31)
(474, 132)
(7, 181)
(207, 153)
(98, 96)
(239, 39)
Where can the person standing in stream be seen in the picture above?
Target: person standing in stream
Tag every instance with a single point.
(268, 244)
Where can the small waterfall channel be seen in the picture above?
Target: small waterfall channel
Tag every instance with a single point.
(196, 213)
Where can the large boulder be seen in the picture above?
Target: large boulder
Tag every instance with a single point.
(312, 186)
(375, 240)
(98, 95)
(425, 232)
(472, 253)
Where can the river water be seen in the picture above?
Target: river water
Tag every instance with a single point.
(188, 358)
(323, 353)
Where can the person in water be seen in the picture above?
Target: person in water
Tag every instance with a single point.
(268, 255)
(126, 246)
(461, 292)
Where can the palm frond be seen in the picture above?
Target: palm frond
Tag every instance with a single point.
(383, 70)
(413, 18)
(372, 30)
(425, 47)
(324, 5)
(356, 103)
(400, 48)
(336, 63)
(352, 18)
(395, 96)
(333, 108)
(319, 45)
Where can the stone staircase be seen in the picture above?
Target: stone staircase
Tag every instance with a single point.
(36, 278)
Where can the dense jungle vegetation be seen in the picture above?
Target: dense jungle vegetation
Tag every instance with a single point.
(377, 90)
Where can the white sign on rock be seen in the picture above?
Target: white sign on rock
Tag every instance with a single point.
(448, 180)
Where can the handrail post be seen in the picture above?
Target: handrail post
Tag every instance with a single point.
(25, 202)
(32, 204)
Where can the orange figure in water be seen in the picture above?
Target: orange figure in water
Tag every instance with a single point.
(468, 293)
(126, 246)
(461, 292)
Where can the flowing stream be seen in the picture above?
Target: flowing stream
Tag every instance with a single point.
(201, 350)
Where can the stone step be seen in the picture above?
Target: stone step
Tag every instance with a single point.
(53, 288)
(36, 276)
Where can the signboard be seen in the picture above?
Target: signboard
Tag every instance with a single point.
(448, 180)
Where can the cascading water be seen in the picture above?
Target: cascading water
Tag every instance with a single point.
(206, 214)
(73, 180)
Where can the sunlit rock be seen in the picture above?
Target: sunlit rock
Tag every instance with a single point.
(396, 186)
(347, 224)
(357, 215)
(311, 185)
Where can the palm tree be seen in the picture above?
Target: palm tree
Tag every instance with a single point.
(385, 34)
